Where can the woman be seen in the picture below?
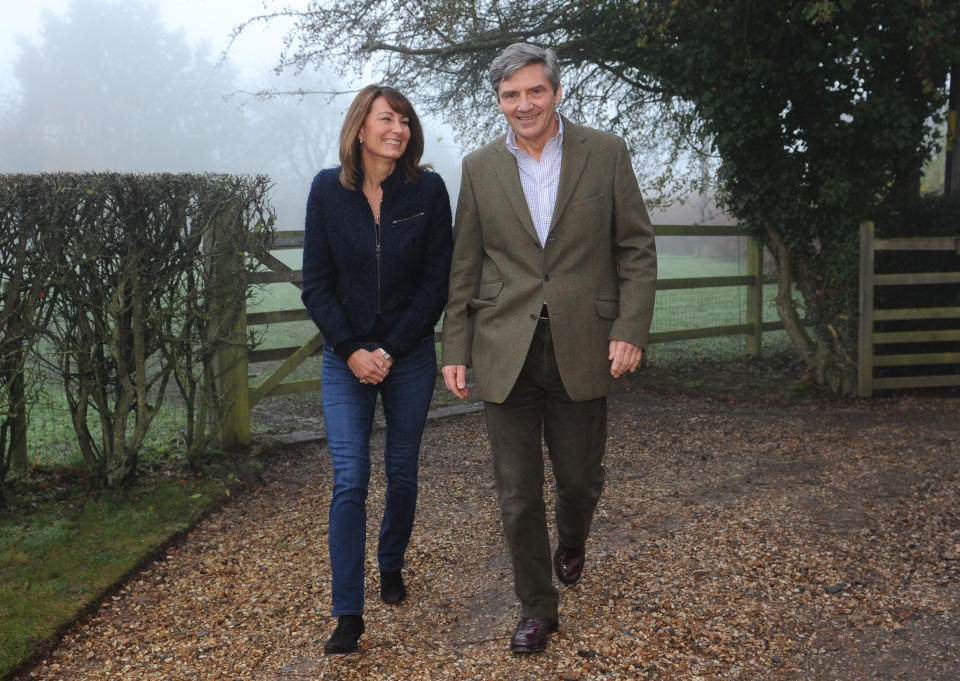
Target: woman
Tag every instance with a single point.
(376, 257)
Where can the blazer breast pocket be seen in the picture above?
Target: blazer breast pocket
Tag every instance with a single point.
(595, 202)
(486, 296)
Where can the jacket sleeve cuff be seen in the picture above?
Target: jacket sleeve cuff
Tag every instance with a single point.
(346, 348)
(393, 350)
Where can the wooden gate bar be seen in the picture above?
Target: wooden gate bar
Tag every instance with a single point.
(291, 363)
(869, 339)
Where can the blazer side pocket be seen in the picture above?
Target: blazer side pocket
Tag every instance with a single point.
(608, 309)
(489, 290)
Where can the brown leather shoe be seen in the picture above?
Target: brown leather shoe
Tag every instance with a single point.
(531, 634)
(568, 563)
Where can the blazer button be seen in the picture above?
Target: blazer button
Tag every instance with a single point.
(533, 316)
(546, 277)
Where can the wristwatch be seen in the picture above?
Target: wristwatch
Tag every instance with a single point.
(386, 355)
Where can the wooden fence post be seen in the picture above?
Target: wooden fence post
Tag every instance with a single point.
(951, 179)
(755, 296)
(229, 323)
(865, 334)
(232, 371)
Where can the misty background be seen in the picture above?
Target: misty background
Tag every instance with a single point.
(144, 86)
(158, 86)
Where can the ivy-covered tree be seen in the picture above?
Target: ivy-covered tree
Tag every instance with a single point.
(821, 112)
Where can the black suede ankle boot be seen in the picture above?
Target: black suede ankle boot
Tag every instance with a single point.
(392, 589)
(345, 636)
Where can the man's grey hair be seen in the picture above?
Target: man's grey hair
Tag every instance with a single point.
(519, 55)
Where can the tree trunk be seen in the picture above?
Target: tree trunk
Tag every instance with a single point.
(18, 421)
(786, 307)
(828, 363)
(832, 369)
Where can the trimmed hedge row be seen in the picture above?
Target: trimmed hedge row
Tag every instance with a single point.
(123, 285)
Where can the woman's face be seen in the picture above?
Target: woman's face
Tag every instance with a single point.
(385, 132)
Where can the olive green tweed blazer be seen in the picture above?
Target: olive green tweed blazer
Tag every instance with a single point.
(597, 271)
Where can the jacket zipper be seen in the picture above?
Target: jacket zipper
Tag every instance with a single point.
(376, 226)
(410, 217)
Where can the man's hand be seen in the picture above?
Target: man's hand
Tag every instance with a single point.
(623, 357)
(455, 378)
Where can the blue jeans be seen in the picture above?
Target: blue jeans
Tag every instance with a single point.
(348, 409)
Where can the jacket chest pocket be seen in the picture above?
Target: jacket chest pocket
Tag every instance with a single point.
(588, 204)
(408, 221)
(408, 229)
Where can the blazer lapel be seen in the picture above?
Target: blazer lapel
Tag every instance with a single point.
(575, 154)
(509, 176)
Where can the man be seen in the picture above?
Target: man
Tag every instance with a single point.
(551, 296)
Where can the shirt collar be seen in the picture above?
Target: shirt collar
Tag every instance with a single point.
(512, 136)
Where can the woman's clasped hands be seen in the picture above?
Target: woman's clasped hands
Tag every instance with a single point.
(369, 367)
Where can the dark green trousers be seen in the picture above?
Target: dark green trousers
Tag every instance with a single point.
(538, 409)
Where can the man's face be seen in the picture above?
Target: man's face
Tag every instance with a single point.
(528, 101)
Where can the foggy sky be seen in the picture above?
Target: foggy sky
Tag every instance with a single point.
(253, 55)
(270, 149)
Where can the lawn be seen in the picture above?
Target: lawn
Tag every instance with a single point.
(64, 543)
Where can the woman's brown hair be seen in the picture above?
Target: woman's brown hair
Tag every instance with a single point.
(356, 115)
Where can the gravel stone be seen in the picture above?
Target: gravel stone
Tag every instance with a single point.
(736, 539)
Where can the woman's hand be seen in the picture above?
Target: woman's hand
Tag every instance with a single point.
(369, 367)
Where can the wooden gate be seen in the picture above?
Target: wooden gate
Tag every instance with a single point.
(869, 339)
(292, 357)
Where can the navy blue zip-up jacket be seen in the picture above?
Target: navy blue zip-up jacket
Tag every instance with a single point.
(347, 283)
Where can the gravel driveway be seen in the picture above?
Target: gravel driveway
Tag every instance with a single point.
(735, 540)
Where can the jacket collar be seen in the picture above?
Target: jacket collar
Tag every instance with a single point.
(392, 181)
(575, 155)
